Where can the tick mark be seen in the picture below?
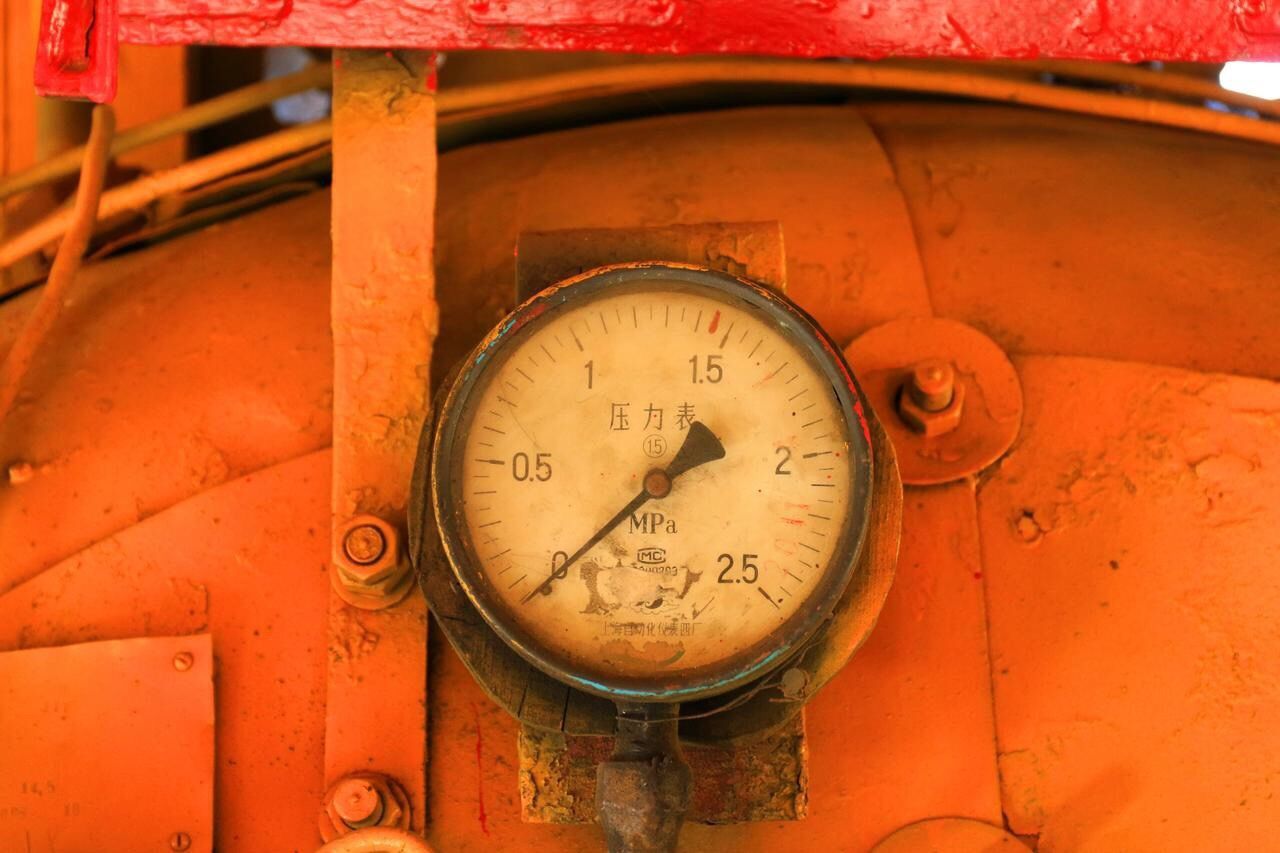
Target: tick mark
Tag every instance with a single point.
(726, 336)
(767, 597)
(548, 352)
(817, 453)
(525, 375)
(516, 581)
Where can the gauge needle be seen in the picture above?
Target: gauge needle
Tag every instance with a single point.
(700, 447)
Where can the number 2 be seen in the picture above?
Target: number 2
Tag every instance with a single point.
(785, 453)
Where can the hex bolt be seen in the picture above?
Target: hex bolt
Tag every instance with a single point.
(364, 544)
(179, 841)
(932, 385)
(370, 566)
(931, 401)
(358, 803)
(183, 661)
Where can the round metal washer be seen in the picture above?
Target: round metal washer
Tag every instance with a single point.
(992, 414)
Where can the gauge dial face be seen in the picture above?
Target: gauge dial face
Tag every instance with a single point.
(657, 483)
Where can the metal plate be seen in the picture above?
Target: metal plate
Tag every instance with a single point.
(107, 746)
(764, 780)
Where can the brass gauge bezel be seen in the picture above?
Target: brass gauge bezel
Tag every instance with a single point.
(445, 483)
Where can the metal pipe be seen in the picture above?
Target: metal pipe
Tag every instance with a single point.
(378, 839)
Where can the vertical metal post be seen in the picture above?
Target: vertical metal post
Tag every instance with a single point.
(384, 318)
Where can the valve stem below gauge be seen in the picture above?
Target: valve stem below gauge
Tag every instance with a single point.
(643, 790)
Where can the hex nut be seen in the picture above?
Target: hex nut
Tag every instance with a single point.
(931, 424)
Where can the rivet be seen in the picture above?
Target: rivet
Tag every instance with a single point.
(182, 662)
(180, 841)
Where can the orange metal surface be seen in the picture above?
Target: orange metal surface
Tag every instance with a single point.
(1133, 705)
(1130, 545)
(1075, 236)
(108, 431)
(820, 173)
(116, 752)
(251, 572)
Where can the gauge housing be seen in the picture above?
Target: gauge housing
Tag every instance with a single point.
(446, 499)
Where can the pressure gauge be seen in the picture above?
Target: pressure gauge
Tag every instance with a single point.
(653, 481)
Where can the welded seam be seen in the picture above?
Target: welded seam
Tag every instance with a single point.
(906, 207)
(78, 554)
(991, 662)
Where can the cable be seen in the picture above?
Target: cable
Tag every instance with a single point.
(81, 220)
(463, 103)
(603, 82)
(138, 194)
(200, 115)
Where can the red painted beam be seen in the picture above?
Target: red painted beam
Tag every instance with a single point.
(1127, 30)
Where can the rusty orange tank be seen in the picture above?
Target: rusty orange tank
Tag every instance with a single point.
(1077, 652)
